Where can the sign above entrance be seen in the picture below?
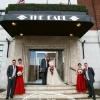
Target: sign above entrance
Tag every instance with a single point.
(43, 24)
(47, 17)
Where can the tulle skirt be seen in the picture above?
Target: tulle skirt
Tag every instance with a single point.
(54, 79)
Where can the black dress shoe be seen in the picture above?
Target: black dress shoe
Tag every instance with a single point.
(7, 98)
(11, 97)
(94, 98)
(89, 96)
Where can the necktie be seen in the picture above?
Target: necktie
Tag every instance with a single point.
(14, 67)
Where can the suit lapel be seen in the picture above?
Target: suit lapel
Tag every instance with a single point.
(85, 71)
(44, 60)
(12, 67)
(88, 70)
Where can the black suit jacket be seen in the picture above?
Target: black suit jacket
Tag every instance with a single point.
(43, 65)
(90, 73)
(10, 71)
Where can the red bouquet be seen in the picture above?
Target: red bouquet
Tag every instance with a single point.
(51, 69)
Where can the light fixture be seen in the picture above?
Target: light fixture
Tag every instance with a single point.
(78, 24)
(14, 24)
(21, 34)
(71, 34)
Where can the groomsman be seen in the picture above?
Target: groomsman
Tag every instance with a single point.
(11, 74)
(89, 75)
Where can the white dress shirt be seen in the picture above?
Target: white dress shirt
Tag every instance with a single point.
(87, 76)
(14, 72)
(46, 62)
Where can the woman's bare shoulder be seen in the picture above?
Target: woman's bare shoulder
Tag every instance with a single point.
(22, 65)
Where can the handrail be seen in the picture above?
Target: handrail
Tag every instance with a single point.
(72, 68)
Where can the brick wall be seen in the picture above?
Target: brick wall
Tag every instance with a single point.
(97, 12)
(94, 11)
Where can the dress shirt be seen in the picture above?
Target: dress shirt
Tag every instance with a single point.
(46, 61)
(14, 71)
(87, 76)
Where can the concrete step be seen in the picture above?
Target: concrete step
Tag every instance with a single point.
(48, 87)
(49, 95)
(49, 99)
(97, 98)
(50, 92)
(39, 99)
(54, 91)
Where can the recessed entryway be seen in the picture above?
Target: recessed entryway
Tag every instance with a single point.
(35, 57)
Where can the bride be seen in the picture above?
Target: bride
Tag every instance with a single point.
(52, 75)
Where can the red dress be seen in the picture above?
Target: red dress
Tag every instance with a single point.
(81, 82)
(19, 85)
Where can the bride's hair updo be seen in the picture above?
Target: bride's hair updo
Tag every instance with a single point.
(50, 57)
(79, 64)
(19, 59)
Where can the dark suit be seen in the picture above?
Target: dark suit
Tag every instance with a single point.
(11, 82)
(44, 66)
(91, 80)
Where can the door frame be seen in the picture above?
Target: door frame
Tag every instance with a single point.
(66, 49)
(36, 63)
(46, 52)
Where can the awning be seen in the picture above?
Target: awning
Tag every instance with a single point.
(46, 25)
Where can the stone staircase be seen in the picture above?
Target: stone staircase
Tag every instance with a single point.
(47, 92)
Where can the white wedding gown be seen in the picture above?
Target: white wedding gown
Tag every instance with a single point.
(55, 78)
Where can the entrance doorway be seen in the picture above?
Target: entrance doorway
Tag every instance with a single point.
(35, 74)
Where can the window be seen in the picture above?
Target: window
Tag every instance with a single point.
(2, 12)
(1, 52)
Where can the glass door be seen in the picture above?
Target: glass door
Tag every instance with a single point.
(35, 74)
(39, 56)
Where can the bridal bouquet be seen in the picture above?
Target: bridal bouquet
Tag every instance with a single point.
(51, 69)
(19, 73)
(80, 71)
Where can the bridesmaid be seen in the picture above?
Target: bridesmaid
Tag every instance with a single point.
(80, 82)
(19, 86)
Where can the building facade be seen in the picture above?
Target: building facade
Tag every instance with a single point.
(67, 51)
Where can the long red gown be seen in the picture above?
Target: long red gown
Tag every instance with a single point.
(19, 85)
(81, 82)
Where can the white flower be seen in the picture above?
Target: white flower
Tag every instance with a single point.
(19, 73)
(80, 71)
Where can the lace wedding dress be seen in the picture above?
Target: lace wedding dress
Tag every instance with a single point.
(55, 78)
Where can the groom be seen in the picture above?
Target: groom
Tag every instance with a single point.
(11, 74)
(89, 75)
(44, 68)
